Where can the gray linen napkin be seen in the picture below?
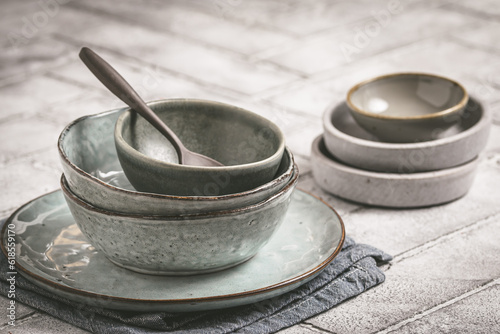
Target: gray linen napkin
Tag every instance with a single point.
(353, 271)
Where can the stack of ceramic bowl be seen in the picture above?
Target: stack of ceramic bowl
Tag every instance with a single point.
(185, 219)
(401, 140)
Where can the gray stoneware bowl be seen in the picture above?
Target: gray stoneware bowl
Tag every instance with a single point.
(407, 107)
(353, 145)
(393, 190)
(249, 146)
(183, 244)
(91, 167)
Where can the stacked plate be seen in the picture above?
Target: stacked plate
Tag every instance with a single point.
(356, 162)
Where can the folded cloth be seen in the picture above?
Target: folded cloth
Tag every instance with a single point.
(353, 271)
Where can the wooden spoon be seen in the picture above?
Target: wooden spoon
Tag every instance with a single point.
(122, 89)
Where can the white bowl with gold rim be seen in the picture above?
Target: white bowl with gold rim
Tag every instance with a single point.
(407, 107)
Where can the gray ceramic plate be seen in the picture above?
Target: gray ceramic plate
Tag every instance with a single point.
(52, 253)
(350, 143)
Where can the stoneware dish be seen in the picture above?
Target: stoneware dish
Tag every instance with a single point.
(354, 146)
(407, 107)
(389, 189)
(181, 245)
(91, 167)
(249, 146)
(53, 254)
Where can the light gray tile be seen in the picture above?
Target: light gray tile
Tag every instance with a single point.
(398, 231)
(26, 136)
(343, 207)
(17, 62)
(205, 64)
(207, 28)
(306, 18)
(61, 114)
(12, 13)
(34, 95)
(20, 310)
(301, 133)
(28, 178)
(485, 8)
(493, 160)
(303, 163)
(493, 145)
(150, 81)
(42, 324)
(484, 35)
(475, 314)
(43, 18)
(368, 37)
(418, 283)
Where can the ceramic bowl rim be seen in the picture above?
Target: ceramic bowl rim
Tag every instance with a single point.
(331, 129)
(269, 185)
(178, 217)
(315, 151)
(131, 151)
(436, 115)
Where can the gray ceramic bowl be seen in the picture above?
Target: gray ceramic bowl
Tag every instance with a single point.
(249, 146)
(91, 167)
(351, 144)
(181, 245)
(407, 107)
(389, 189)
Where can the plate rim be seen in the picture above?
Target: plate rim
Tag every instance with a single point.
(197, 300)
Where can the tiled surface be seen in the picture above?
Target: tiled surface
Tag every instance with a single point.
(287, 60)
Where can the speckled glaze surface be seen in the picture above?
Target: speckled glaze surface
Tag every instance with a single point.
(249, 146)
(353, 145)
(53, 253)
(181, 245)
(407, 107)
(389, 189)
(91, 167)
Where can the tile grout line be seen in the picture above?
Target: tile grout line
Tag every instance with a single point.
(25, 318)
(315, 328)
(436, 308)
(443, 238)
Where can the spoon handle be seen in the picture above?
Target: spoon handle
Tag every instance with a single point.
(121, 88)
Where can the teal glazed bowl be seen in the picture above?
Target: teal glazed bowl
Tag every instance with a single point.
(250, 147)
(181, 244)
(94, 174)
(407, 107)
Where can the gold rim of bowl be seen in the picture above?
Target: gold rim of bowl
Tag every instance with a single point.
(458, 106)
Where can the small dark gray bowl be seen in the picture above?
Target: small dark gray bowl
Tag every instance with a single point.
(249, 146)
